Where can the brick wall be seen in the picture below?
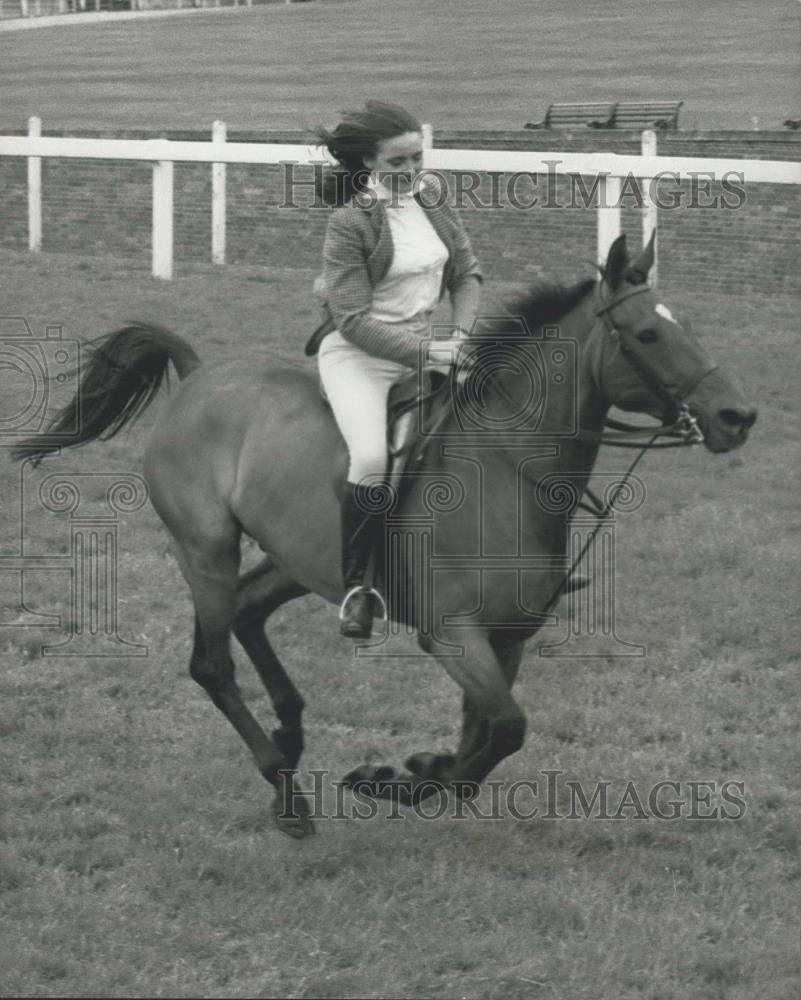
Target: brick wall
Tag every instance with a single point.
(103, 207)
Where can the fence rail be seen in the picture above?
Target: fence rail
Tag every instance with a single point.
(610, 169)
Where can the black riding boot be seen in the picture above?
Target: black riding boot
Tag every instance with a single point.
(358, 538)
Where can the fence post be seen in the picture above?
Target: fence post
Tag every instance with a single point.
(649, 210)
(609, 188)
(34, 190)
(218, 209)
(162, 219)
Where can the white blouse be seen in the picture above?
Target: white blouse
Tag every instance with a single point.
(412, 284)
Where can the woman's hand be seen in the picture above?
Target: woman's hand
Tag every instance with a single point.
(446, 354)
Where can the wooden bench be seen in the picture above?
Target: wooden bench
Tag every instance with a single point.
(567, 115)
(621, 114)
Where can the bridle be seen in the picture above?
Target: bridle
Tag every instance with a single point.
(680, 425)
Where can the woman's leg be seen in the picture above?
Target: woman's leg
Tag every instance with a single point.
(357, 386)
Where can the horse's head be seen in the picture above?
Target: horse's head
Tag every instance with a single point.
(650, 364)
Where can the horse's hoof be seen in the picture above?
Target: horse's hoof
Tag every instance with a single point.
(366, 776)
(296, 824)
(381, 783)
(385, 783)
(430, 765)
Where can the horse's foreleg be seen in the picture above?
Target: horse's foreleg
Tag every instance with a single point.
(501, 725)
(260, 592)
(212, 574)
(475, 731)
(508, 648)
(499, 733)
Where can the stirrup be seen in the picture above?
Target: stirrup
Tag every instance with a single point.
(361, 589)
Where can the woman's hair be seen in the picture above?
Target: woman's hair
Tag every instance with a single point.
(357, 136)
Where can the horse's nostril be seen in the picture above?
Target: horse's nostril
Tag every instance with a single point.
(743, 418)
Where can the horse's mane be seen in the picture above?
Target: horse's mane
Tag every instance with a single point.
(539, 307)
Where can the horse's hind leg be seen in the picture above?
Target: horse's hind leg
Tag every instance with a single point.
(260, 592)
(211, 568)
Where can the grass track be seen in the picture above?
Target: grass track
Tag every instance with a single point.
(459, 63)
(135, 853)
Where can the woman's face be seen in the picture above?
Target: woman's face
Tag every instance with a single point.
(397, 161)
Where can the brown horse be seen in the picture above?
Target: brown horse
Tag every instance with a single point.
(249, 448)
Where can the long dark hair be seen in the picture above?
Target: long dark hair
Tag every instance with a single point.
(356, 136)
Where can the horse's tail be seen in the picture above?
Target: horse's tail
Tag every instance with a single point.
(123, 372)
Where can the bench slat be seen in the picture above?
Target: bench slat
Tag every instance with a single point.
(642, 114)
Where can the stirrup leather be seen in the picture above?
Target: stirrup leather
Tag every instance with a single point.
(363, 590)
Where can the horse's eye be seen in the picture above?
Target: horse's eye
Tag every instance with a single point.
(646, 336)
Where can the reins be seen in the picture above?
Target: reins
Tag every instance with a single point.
(601, 511)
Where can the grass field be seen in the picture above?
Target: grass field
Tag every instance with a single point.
(458, 63)
(136, 855)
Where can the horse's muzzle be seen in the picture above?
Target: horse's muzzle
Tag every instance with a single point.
(729, 428)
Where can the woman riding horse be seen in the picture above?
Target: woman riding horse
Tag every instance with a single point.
(222, 461)
(391, 251)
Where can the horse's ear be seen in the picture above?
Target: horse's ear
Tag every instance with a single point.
(640, 267)
(616, 262)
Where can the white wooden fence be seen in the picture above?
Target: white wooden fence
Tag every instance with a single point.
(609, 168)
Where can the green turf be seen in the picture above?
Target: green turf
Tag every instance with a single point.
(136, 854)
(457, 63)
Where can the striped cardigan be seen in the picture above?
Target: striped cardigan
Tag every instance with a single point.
(357, 254)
